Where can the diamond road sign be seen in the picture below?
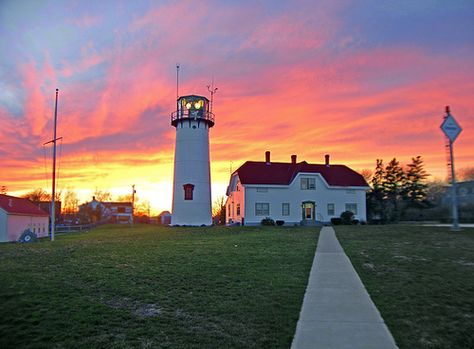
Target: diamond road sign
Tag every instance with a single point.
(451, 128)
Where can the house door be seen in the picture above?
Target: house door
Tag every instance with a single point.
(309, 210)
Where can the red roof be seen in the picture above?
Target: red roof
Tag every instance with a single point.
(279, 173)
(14, 205)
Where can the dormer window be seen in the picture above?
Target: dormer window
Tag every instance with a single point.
(188, 191)
(308, 183)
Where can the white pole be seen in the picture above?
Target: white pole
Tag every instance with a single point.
(453, 190)
(53, 206)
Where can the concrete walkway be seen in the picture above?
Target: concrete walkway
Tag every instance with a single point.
(337, 311)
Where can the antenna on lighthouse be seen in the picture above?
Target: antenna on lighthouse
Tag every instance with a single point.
(212, 90)
(177, 80)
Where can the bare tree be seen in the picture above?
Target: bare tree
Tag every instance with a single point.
(126, 198)
(37, 195)
(367, 174)
(218, 210)
(70, 201)
(102, 195)
(3, 189)
(143, 209)
(466, 174)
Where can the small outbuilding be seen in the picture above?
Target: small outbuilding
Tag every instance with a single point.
(18, 215)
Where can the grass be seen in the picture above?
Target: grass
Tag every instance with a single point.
(152, 287)
(420, 278)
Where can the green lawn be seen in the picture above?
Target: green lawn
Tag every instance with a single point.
(420, 278)
(152, 287)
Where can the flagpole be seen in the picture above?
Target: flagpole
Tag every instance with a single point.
(53, 206)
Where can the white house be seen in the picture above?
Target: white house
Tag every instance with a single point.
(18, 215)
(113, 212)
(296, 193)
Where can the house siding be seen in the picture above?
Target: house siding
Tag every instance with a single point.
(17, 224)
(3, 226)
(236, 197)
(276, 195)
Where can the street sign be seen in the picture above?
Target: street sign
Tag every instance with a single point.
(450, 127)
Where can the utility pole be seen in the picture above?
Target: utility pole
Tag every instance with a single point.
(53, 191)
(133, 201)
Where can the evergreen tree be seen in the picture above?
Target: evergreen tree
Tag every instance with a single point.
(415, 190)
(393, 183)
(375, 197)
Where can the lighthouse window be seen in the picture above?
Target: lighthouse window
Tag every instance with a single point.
(188, 191)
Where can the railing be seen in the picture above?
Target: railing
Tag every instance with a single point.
(193, 115)
(76, 228)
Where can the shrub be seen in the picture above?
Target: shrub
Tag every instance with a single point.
(280, 222)
(267, 221)
(347, 217)
(336, 221)
(355, 221)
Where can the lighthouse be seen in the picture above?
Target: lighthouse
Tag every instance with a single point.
(192, 177)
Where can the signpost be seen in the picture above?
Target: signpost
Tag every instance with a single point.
(451, 129)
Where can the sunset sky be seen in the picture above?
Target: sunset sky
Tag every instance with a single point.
(358, 80)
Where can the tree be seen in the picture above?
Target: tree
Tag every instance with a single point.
(3, 189)
(142, 212)
(367, 174)
(37, 195)
(126, 198)
(393, 182)
(415, 189)
(71, 202)
(375, 197)
(218, 210)
(466, 174)
(102, 195)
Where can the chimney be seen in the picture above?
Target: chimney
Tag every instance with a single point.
(293, 159)
(326, 157)
(267, 157)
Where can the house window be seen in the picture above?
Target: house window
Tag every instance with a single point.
(352, 207)
(262, 209)
(308, 183)
(121, 209)
(330, 209)
(188, 191)
(262, 190)
(285, 209)
(238, 209)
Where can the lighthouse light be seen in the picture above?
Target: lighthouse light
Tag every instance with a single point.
(188, 105)
(197, 105)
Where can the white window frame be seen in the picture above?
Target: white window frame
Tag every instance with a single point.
(285, 209)
(308, 183)
(331, 209)
(262, 209)
(352, 206)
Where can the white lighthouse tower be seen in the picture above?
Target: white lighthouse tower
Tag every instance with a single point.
(192, 177)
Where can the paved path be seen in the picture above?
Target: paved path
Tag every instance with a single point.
(337, 311)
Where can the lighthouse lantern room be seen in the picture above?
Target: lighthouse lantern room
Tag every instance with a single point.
(192, 177)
